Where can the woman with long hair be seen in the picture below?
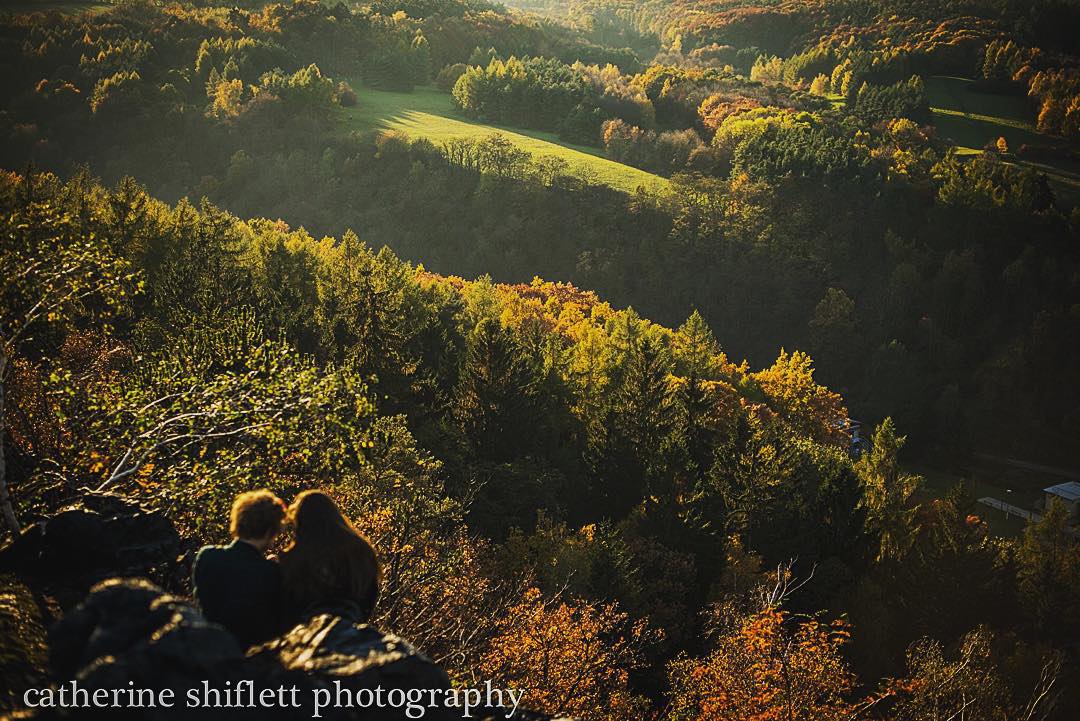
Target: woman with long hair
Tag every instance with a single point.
(330, 566)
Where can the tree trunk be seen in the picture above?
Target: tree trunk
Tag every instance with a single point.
(5, 499)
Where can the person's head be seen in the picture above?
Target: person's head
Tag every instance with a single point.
(316, 518)
(256, 518)
(329, 559)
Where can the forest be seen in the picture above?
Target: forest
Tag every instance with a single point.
(711, 449)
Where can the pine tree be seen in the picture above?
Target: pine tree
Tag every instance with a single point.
(496, 394)
(695, 349)
(420, 59)
(887, 492)
(639, 424)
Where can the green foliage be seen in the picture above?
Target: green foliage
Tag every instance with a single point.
(498, 386)
(695, 350)
(664, 153)
(888, 493)
(530, 92)
(775, 150)
(594, 450)
(199, 433)
(874, 103)
(447, 77)
(987, 183)
(398, 62)
(118, 95)
(1049, 573)
(306, 90)
(55, 275)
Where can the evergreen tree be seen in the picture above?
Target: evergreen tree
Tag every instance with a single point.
(497, 392)
(887, 493)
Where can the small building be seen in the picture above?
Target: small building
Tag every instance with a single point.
(860, 443)
(1068, 493)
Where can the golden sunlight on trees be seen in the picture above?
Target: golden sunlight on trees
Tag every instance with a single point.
(566, 496)
(572, 658)
(768, 665)
(888, 491)
(809, 407)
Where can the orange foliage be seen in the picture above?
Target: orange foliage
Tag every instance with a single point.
(571, 659)
(718, 107)
(768, 668)
(33, 417)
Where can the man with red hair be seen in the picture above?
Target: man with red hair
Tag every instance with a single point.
(237, 586)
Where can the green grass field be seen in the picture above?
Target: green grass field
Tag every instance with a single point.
(429, 113)
(938, 483)
(67, 8)
(970, 120)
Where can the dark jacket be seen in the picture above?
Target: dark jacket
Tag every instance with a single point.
(241, 589)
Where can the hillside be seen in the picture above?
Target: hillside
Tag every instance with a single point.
(429, 113)
(655, 365)
(47, 6)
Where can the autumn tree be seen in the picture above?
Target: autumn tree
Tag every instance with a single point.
(695, 349)
(970, 683)
(572, 658)
(767, 665)
(811, 408)
(435, 591)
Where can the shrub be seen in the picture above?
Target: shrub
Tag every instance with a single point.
(449, 75)
(346, 96)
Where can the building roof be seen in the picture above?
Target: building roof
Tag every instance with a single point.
(1069, 491)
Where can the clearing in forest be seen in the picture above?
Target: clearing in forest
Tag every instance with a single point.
(970, 120)
(430, 113)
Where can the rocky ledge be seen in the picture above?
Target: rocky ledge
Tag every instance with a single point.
(129, 634)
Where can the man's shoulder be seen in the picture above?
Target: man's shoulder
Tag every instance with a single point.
(211, 551)
(233, 555)
(210, 555)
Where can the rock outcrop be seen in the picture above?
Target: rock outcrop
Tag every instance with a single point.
(100, 535)
(129, 634)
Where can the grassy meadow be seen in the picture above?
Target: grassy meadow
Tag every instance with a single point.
(970, 120)
(430, 113)
(20, 7)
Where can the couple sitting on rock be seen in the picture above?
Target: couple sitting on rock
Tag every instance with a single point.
(328, 567)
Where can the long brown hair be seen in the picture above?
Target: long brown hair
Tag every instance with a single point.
(329, 561)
